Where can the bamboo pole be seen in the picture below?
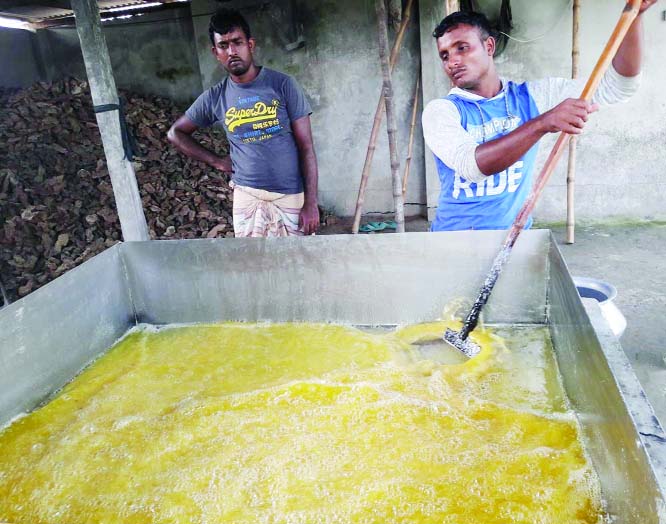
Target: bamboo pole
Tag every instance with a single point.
(3, 294)
(391, 126)
(452, 6)
(408, 160)
(571, 169)
(379, 114)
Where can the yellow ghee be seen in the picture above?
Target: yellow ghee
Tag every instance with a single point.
(302, 423)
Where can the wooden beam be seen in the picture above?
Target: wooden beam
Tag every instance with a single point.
(55, 22)
(104, 92)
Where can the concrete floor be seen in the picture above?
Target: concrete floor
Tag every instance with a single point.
(633, 259)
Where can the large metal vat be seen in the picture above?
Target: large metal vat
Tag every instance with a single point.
(46, 338)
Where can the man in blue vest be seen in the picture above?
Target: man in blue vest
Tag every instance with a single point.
(484, 134)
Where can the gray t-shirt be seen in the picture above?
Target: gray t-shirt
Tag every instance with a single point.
(257, 118)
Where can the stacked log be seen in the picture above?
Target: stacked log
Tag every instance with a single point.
(56, 201)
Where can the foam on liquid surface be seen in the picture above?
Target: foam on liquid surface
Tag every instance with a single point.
(303, 423)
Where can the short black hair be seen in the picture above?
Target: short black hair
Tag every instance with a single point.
(452, 21)
(226, 20)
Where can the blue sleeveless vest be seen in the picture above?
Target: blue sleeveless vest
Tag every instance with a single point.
(495, 202)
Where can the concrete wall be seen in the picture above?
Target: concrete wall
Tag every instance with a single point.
(18, 58)
(151, 54)
(339, 70)
(621, 167)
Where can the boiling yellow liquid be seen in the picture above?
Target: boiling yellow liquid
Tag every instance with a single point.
(302, 423)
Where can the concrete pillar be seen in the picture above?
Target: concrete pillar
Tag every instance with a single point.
(103, 90)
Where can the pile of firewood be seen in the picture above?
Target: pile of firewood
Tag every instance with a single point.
(56, 201)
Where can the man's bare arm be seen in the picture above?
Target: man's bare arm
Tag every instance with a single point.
(497, 155)
(570, 116)
(309, 219)
(629, 57)
(180, 135)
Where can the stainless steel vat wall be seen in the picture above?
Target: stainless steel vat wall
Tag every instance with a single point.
(618, 423)
(48, 336)
(381, 279)
(377, 279)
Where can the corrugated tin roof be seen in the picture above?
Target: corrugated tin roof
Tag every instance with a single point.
(34, 13)
(39, 13)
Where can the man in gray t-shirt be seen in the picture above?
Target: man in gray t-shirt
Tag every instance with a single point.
(267, 120)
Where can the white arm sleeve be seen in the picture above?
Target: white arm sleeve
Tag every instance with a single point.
(613, 88)
(447, 139)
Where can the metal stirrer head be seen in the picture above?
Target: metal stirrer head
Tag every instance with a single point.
(464, 345)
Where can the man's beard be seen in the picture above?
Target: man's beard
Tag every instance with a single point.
(468, 85)
(238, 68)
